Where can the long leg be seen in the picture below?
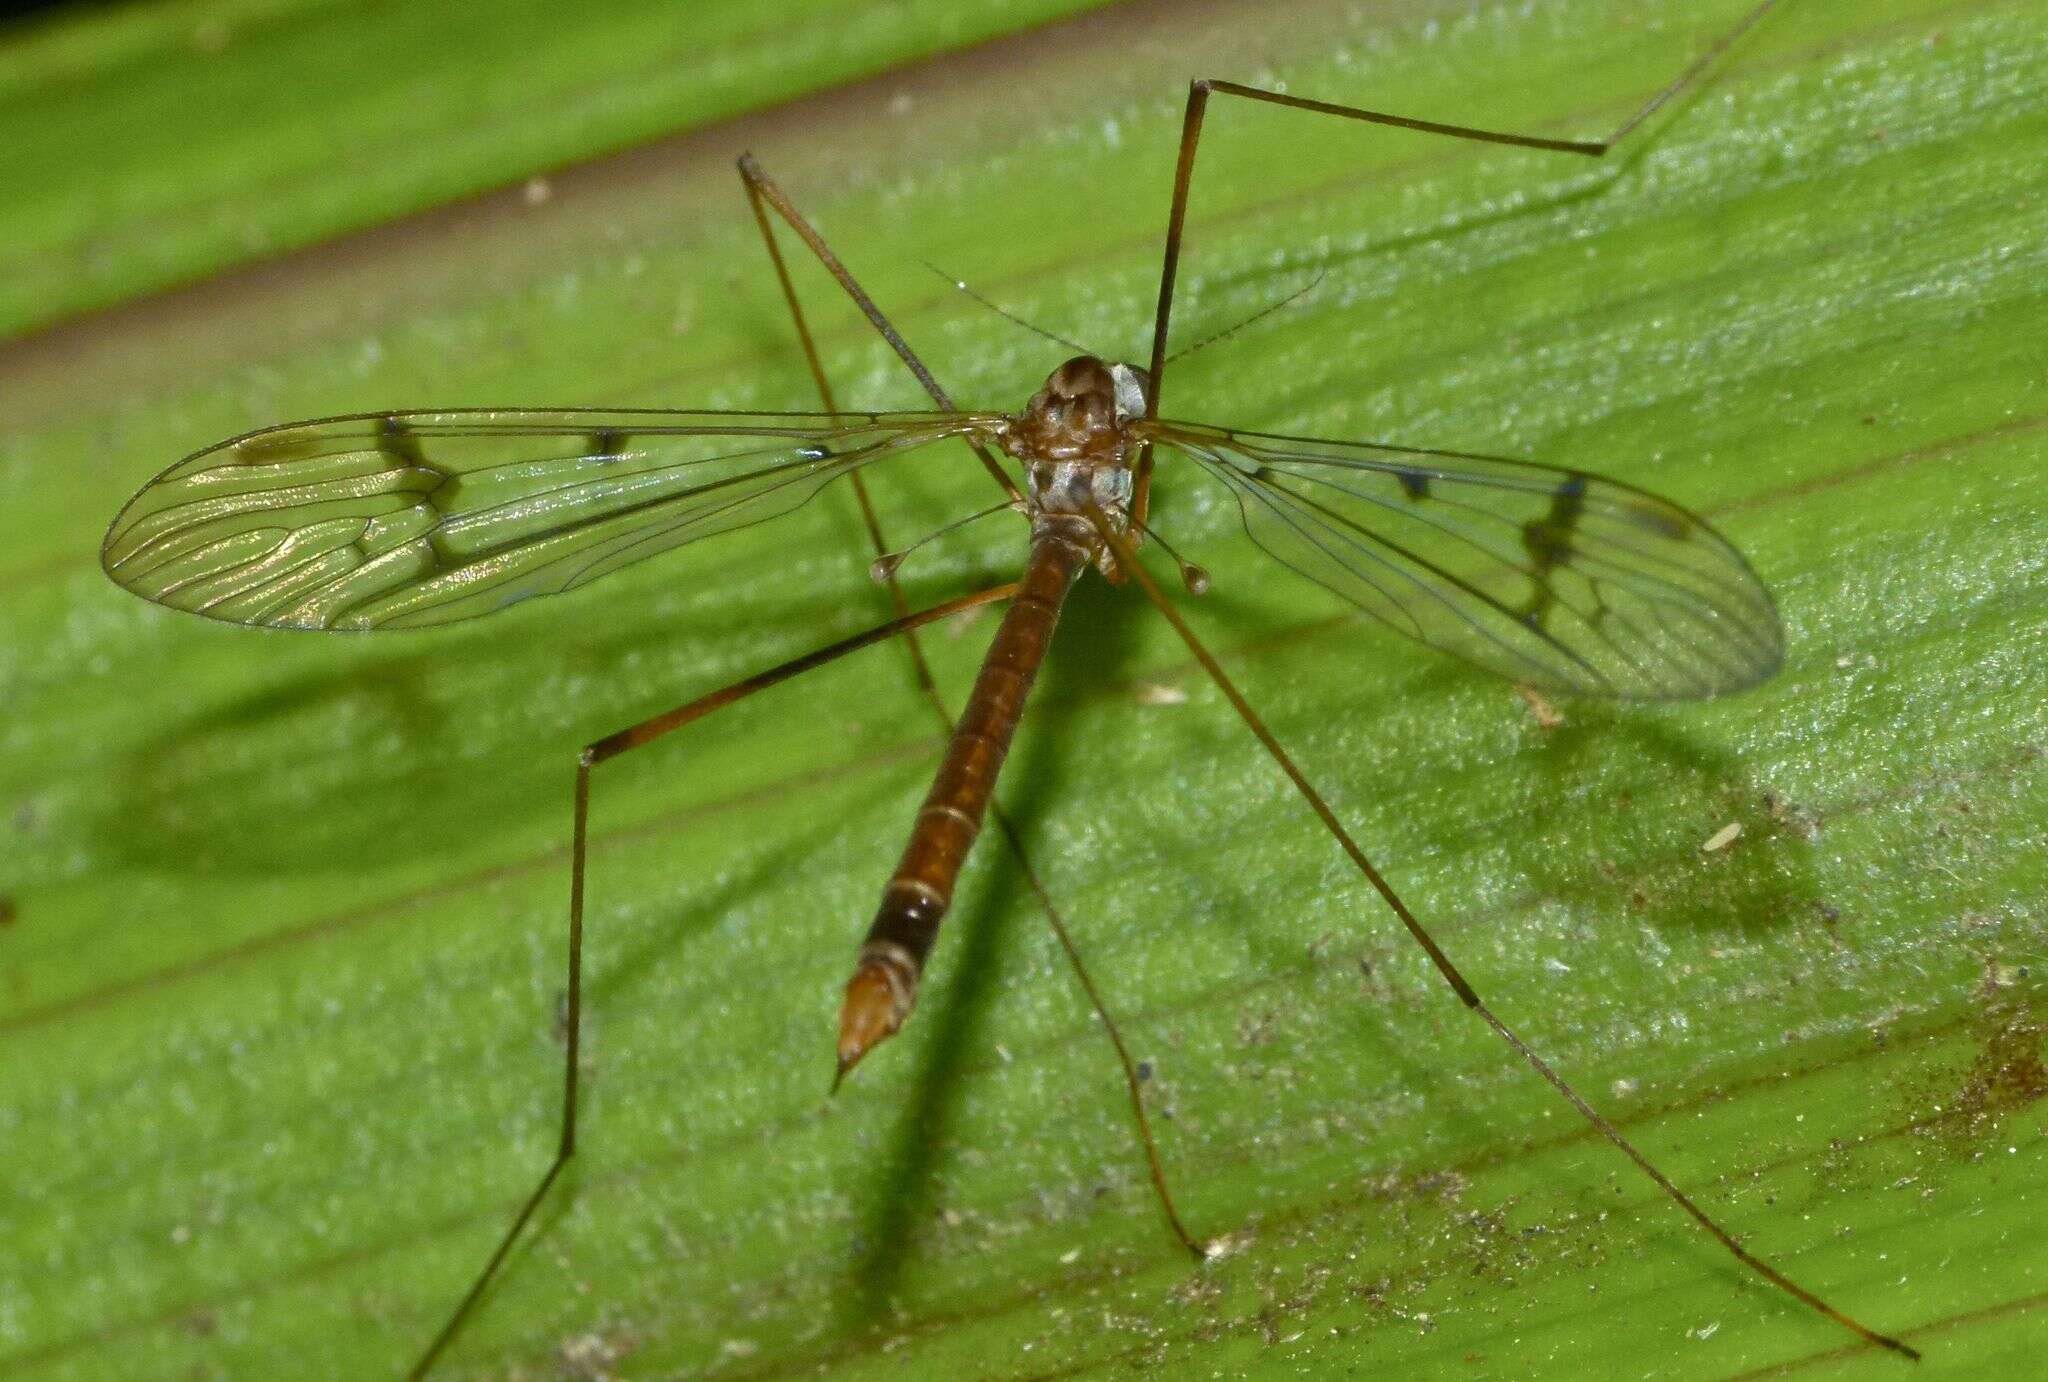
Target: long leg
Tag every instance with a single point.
(1191, 135)
(612, 746)
(1128, 558)
(761, 194)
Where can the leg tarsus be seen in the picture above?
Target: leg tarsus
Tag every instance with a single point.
(1153, 1162)
(633, 737)
(1120, 547)
(490, 1269)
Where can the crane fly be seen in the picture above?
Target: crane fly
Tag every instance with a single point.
(1554, 578)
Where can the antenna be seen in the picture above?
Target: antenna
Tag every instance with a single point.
(1268, 310)
(1008, 315)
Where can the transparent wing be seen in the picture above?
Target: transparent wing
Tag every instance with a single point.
(1553, 578)
(391, 520)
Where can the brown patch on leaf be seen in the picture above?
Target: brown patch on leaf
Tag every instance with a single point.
(2007, 1074)
(1802, 821)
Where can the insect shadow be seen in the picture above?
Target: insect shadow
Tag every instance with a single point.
(216, 800)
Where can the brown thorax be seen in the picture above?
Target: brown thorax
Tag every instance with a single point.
(1075, 441)
(1078, 415)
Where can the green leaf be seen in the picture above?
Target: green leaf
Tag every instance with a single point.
(280, 983)
(151, 146)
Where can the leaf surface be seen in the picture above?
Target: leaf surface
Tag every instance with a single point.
(280, 980)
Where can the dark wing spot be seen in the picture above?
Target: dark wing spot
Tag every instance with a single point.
(399, 444)
(1414, 483)
(607, 444)
(1548, 541)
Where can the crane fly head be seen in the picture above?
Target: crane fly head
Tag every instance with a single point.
(1074, 436)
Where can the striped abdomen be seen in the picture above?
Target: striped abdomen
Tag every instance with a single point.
(915, 900)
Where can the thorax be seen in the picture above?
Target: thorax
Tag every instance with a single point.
(1075, 442)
